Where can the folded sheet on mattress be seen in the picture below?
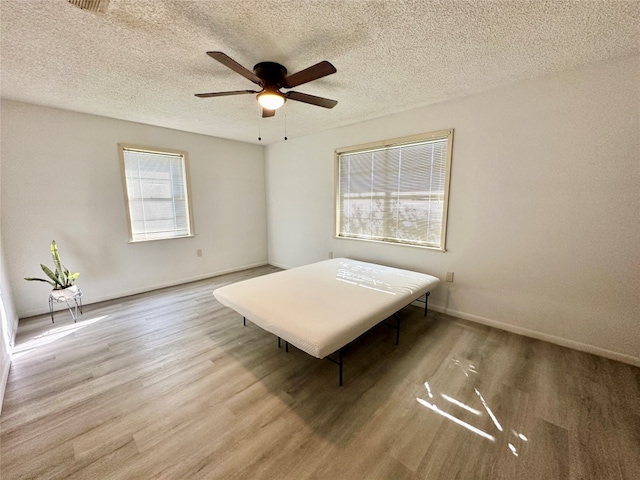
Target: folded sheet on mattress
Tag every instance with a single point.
(323, 306)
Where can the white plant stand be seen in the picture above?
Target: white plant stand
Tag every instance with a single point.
(68, 295)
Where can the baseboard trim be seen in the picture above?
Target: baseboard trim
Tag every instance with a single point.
(563, 342)
(126, 293)
(6, 367)
(284, 267)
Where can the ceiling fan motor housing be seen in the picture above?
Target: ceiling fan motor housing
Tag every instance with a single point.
(271, 73)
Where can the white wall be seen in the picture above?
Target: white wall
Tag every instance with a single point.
(8, 320)
(544, 210)
(61, 180)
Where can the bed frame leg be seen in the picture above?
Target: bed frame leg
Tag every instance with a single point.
(286, 345)
(426, 300)
(244, 321)
(398, 330)
(339, 362)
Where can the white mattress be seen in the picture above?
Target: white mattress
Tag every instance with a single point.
(323, 306)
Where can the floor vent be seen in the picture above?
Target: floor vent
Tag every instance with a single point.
(95, 6)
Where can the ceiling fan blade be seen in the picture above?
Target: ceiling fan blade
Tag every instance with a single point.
(229, 62)
(268, 113)
(311, 99)
(224, 94)
(314, 72)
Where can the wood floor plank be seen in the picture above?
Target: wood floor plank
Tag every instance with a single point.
(171, 385)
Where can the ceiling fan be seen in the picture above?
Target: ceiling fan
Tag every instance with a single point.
(271, 77)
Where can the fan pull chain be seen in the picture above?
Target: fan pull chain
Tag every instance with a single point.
(259, 133)
(285, 124)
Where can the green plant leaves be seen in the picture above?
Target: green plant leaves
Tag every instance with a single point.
(32, 279)
(62, 277)
(51, 275)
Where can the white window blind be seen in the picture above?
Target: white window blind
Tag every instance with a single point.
(157, 194)
(396, 192)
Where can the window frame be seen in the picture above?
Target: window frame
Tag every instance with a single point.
(187, 184)
(388, 144)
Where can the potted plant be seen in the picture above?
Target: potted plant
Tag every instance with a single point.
(62, 280)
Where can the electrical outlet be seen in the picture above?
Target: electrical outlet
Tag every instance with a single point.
(449, 277)
(330, 254)
(199, 252)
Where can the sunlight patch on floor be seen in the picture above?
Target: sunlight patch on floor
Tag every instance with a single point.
(53, 334)
(468, 370)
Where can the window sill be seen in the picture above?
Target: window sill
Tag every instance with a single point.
(412, 245)
(161, 239)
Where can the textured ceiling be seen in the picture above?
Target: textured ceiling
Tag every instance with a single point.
(143, 60)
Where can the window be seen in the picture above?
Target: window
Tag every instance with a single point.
(156, 189)
(395, 191)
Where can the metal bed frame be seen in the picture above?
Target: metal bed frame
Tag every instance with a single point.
(340, 351)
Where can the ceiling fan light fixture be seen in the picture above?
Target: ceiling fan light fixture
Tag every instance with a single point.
(271, 77)
(271, 99)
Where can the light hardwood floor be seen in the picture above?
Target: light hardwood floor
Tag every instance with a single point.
(169, 384)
